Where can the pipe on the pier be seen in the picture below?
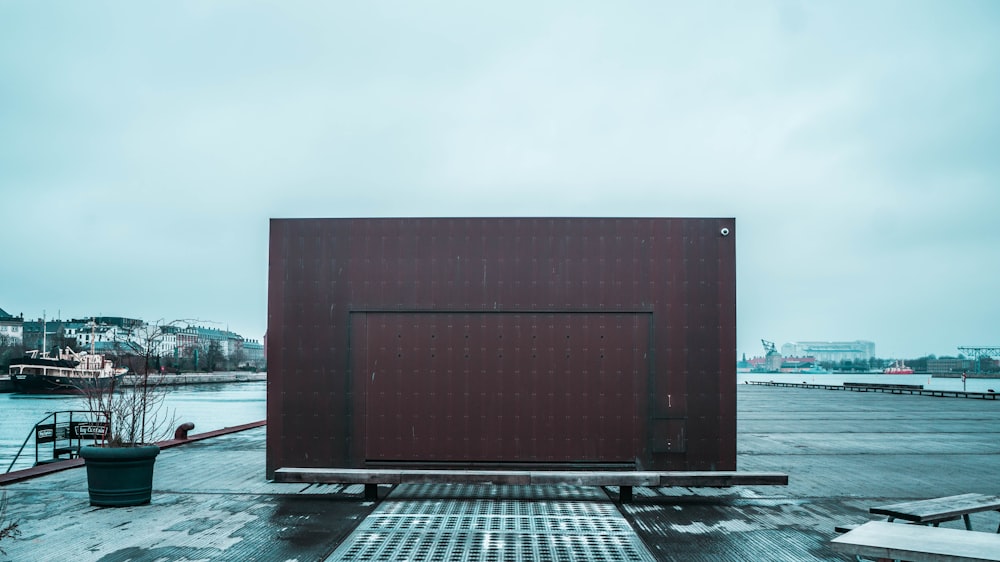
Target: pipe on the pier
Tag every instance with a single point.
(182, 430)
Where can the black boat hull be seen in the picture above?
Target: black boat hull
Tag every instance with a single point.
(54, 384)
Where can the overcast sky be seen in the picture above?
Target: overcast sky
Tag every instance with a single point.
(145, 145)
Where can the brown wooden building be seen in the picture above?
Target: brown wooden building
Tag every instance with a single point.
(502, 342)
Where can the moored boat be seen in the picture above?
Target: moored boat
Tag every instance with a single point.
(898, 368)
(69, 372)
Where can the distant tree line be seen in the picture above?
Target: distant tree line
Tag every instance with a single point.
(919, 365)
(857, 366)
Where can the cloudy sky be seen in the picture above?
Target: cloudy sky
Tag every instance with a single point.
(145, 145)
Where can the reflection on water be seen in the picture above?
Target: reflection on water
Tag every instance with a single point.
(209, 407)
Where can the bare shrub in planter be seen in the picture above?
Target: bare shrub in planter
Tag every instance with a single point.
(135, 406)
(120, 470)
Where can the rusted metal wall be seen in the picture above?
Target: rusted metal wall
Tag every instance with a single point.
(534, 342)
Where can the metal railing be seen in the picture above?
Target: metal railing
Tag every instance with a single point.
(59, 435)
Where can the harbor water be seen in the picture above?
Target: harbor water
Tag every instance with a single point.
(208, 406)
(217, 406)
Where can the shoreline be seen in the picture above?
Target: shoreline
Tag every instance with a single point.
(890, 388)
(218, 377)
(872, 373)
(967, 375)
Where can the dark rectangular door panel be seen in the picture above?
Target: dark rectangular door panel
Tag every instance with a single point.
(457, 387)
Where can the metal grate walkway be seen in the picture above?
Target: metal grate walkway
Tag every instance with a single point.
(485, 523)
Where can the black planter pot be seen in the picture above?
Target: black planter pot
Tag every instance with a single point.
(119, 476)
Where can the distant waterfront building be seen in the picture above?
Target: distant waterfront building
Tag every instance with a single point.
(11, 328)
(858, 350)
(254, 351)
(228, 342)
(957, 365)
(115, 348)
(43, 334)
(116, 335)
(951, 365)
(179, 341)
(167, 343)
(108, 333)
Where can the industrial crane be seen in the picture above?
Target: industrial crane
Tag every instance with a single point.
(768, 347)
(772, 359)
(979, 353)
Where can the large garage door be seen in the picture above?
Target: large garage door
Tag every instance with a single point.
(500, 387)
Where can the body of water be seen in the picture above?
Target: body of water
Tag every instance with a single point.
(209, 407)
(217, 406)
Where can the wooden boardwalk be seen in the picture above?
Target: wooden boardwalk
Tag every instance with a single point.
(844, 453)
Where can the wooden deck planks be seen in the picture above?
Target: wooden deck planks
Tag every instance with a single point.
(880, 539)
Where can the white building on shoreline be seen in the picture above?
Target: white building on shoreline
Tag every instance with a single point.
(11, 328)
(858, 350)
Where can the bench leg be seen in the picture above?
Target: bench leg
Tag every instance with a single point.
(371, 492)
(968, 524)
(625, 494)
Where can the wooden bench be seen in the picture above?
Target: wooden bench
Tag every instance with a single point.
(881, 539)
(938, 510)
(625, 480)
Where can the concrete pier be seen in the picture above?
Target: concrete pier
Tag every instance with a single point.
(844, 452)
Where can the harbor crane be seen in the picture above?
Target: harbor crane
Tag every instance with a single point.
(772, 359)
(980, 352)
(768, 347)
